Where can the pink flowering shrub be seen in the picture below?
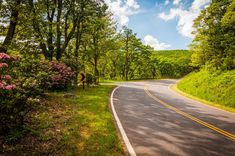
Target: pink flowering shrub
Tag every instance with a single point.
(5, 79)
(47, 75)
(60, 75)
(22, 80)
(4, 56)
(14, 94)
(7, 91)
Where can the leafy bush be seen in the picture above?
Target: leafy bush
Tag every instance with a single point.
(46, 75)
(15, 95)
(90, 79)
(33, 75)
(22, 81)
(60, 75)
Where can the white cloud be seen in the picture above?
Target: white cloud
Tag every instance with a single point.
(167, 2)
(186, 16)
(176, 2)
(153, 42)
(173, 13)
(132, 4)
(122, 9)
(199, 4)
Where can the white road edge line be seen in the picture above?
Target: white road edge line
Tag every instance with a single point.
(121, 129)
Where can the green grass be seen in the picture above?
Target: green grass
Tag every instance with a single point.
(218, 88)
(72, 126)
(110, 81)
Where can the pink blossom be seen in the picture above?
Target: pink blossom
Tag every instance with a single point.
(7, 87)
(3, 65)
(10, 87)
(7, 77)
(4, 56)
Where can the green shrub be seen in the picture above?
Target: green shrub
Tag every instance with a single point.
(17, 94)
(47, 75)
(90, 79)
(60, 75)
(22, 81)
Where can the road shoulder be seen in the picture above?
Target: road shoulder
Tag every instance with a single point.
(122, 134)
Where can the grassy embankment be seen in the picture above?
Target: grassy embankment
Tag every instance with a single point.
(218, 88)
(80, 125)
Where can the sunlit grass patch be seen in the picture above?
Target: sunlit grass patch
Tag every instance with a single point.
(72, 126)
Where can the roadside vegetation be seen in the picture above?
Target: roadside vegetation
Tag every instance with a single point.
(67, 124)
(214, 86)
(213, 54)
(44, 47)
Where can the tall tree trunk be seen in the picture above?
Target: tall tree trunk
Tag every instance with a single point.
(58, 32)
(96, 73)
(12, 27)
(78, 36)
(79, 32)
(50, 18)
(126, 61)
(50, 45)
(77, 46)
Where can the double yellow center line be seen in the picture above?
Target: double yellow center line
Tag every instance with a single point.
(214, 128)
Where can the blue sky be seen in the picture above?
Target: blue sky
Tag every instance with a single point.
(162, 24)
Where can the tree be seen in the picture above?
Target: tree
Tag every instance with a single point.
(100, 33)
(228, 23)
(55, 22)
(214, 41)
(12, 7)
(127, 35)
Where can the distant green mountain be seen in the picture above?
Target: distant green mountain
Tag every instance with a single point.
(175, 54)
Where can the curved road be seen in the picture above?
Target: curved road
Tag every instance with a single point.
(159, 121)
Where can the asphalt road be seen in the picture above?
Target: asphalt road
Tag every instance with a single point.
(159, 121)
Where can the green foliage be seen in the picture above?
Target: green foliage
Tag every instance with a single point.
(32, 74)
(173, 63)
(14, 135)
(213, 51)
(43, 74)
(60, 76)
(145, 63)
(17, 95)
(90, 79)
(215, 36)
(211, 85)
(21, 84)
